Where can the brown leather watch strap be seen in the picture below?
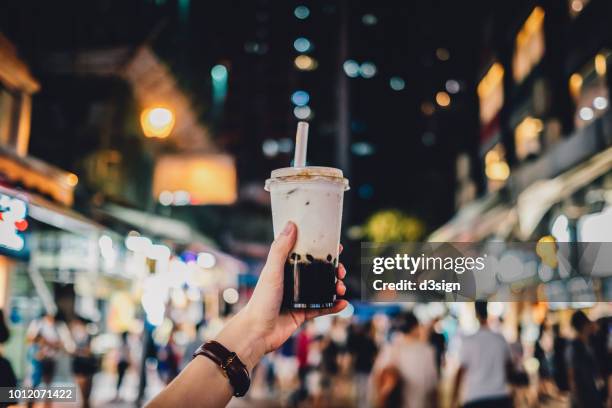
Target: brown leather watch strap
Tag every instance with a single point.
(228, 361)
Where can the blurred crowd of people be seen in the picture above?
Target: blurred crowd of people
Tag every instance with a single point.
(381, 361)
(399, 361)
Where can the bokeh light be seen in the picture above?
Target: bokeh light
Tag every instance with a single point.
(397, 83)
(302, 112)
(305, 63)
(367, 69)
(219, 73)
(351, 68)
(157, 122)
(301, 12)
(302, 44)
(300, 98)
(443, 99)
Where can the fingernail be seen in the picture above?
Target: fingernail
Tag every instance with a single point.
(288, 228)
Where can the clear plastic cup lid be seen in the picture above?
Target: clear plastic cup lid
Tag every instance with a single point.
(305, 173)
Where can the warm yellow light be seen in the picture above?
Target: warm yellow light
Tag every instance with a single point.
(529, 45)
(157, 122)
(72, 179)
(204, 179)
(443, 99)
(492, 156)
(498, 171)
(491, 80)
(491, 92)
(532, 25)
(577, 6)
(546, 249)
(496, 167)
(305, 63)
(575, 84)
(600, 64)
(526, 136)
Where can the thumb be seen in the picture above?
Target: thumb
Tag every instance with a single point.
(280, 248)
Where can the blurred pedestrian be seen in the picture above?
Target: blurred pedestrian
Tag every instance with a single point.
(192, 346)
(45, 332)
(45, 342)
(602, 348)
(314, 378)
(389, 388)
(544, 353)
(123, 362)
(7, 375)
(484, 367)
(34, 357)
(586, 384)
(438, 342)
(84, 363)
(363, 348)
(559, 359)
(169, 359)
(518, 376)
(416, 362)
(302, 345)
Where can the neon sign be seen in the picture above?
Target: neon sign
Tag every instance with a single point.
(13, 212)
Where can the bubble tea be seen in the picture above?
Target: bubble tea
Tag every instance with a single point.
(310, 197)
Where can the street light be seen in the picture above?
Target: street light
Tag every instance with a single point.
(157, 122)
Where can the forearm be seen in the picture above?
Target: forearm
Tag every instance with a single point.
(202, 383)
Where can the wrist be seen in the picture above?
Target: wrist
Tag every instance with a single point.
(238, 336)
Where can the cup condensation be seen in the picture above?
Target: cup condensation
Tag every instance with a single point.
(312, 198)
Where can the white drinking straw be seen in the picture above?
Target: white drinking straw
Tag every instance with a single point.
(301, 144)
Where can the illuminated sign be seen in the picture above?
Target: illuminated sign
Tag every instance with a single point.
(13, 212)
(195, 180)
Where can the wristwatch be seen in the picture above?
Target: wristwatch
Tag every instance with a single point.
(230, 364)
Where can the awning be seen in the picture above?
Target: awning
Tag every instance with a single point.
(535, 201)
(37, 175)
(156, 225)
(476, 220)
(177, 231)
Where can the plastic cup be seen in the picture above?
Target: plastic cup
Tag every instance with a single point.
(310, 197)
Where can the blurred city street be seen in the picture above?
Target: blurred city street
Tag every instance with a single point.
(436, 177)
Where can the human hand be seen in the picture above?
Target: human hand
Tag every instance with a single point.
(261, 326)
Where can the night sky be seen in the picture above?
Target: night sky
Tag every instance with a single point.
(412, 154)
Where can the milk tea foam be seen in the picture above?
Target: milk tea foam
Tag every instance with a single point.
(311, 197)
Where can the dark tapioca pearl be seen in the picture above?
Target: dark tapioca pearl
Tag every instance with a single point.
(294, 256)
(310, 258)
(298, 257)
(329, 258)
(307, 202)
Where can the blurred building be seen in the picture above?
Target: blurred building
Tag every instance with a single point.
(545, 146)
(121, 263)
(545, 134)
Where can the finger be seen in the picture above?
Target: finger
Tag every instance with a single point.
(340, 288)
(280, 249)
(272, 271)
(340, 248)
(338, 307)
(341, 273)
